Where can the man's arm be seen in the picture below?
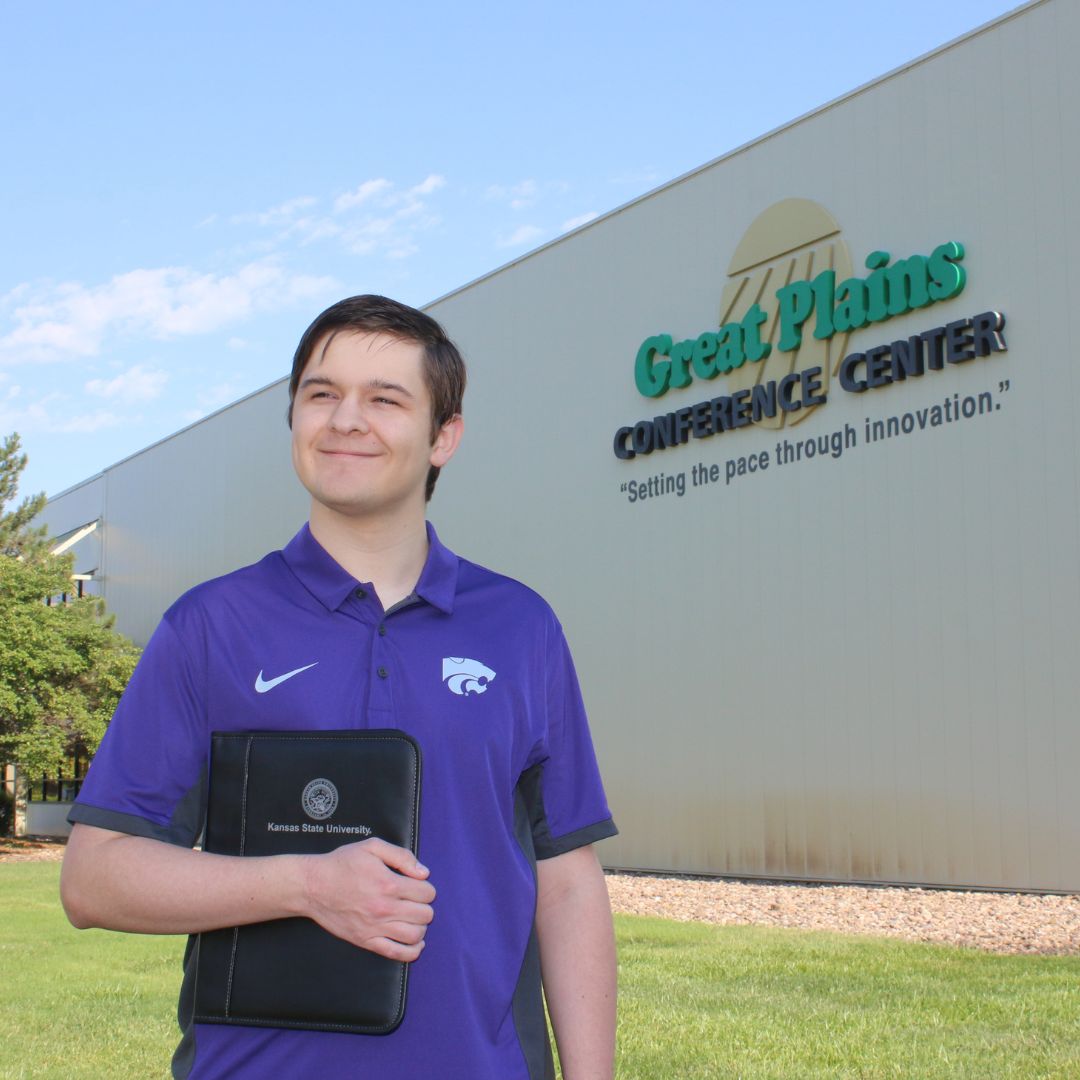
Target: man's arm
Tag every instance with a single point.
(577, 961)
(371, 893)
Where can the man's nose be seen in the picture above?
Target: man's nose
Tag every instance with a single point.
(350, 415)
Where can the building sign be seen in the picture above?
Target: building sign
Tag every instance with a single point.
(787, 311)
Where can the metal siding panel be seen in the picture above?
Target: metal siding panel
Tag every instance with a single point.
(80, 505)
(894, 754)
(211, 498)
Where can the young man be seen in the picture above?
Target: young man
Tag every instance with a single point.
(366, 621)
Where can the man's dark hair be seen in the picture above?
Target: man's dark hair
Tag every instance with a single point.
(444, 369)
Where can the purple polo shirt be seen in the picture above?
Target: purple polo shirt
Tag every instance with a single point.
(475, 667)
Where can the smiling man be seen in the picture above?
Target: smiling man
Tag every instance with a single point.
(365, 620)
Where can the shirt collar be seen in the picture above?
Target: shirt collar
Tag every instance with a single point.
(331, 584)
(438, 580)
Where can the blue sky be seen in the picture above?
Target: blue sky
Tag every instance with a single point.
(185, 186)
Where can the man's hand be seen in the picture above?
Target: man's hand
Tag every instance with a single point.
(372, 894)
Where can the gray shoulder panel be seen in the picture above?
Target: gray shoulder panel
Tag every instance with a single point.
(184, 828)
(183, 1060)
(84, 814)
(579, 838)
(546, 845)
(529, 1017)
(530, 1021)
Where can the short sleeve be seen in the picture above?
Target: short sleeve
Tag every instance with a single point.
(563, 791)
(148, 777)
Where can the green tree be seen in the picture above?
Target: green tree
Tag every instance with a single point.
(62, 665)
(17, 536)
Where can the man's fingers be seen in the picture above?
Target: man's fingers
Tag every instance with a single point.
(360, 894)
(411, 881)
(396, 909)
(420, 914)
(395, 950)
(397, 858)
(416, 892)
(405, 933)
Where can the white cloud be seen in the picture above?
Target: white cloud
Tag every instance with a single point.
(291, 222)
(402, 250)
(364, 193)
(390, 219)
(282, 214)
(131, 386)
(375, 218)
(308, 230)
(428, 186)
(518, 196)
(522, 235)
(211, 399)
(577, 222)
(84, 423)
(526, 193)
(56, 322)
(384, 194)
(380, 235)
(57, 414)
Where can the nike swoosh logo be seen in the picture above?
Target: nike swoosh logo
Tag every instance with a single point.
(262, 685)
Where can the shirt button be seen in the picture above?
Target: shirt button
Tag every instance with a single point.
(360, 594)
(383, 673)
(382, 630)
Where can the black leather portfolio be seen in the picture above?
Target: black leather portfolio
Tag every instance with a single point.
(292, 792)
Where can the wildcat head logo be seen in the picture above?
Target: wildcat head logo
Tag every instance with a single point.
(465, 676)
(320, 799)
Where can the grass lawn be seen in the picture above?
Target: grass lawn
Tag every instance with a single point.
(749, 1002)
(80, 1004)
(695, 1001)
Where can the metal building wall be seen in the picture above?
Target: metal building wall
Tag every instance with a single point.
(213, 497)
(859, 668)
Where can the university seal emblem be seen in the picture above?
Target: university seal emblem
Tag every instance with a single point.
(320, 799)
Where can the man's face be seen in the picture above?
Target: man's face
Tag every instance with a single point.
(361, 425)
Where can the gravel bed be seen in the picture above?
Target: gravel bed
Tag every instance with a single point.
(997, 922)
(31, 849)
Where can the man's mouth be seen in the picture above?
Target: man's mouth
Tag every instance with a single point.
(344, 452)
